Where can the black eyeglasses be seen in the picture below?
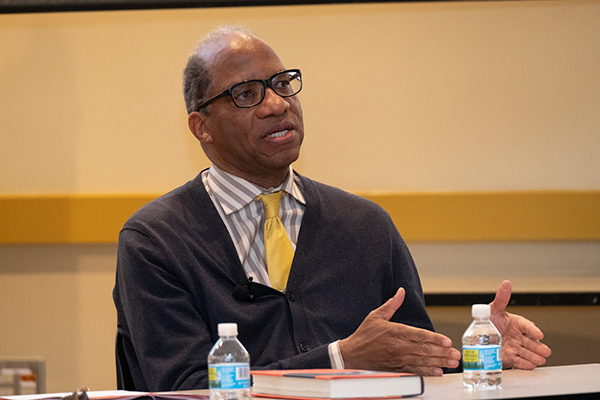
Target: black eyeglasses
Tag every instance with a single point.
(251, 93)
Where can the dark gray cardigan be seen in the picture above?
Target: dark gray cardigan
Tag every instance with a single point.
(177, 271)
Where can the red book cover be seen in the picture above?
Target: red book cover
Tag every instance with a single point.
(330, 373)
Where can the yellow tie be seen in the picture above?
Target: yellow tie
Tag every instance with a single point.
(278, 249)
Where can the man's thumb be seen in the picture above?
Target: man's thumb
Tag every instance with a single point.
(502, 298)
(391, 306)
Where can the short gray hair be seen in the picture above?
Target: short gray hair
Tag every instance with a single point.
(196, 80)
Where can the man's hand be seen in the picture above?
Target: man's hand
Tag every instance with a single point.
(521, 347)
(379, 344)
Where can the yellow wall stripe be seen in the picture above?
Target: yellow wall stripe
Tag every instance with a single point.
(465, 216)
(66, 219)
(495, 216)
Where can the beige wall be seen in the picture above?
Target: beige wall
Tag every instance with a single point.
(424, 97)
(56, 304)
(418, 97)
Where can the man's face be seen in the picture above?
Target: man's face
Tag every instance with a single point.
(257, 143)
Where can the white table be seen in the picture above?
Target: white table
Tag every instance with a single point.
(543, 381)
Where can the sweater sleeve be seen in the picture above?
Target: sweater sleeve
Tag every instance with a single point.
(165, 335)
(413, 311)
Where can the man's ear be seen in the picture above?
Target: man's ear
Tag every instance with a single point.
(197, 122)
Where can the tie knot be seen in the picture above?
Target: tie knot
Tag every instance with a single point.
(271, 203)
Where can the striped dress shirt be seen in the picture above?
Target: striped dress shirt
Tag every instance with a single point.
(244, 216)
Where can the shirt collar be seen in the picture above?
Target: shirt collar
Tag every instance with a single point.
(234, 193)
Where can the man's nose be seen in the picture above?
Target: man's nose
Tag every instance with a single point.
(273, 104)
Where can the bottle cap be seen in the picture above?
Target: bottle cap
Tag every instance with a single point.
(480, 311)
(227, 329)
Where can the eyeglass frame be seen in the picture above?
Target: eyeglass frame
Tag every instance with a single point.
(266, 84)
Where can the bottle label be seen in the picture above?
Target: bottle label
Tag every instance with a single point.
(482, 358)
(229, 376)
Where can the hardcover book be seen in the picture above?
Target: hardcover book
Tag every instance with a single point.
(335, 384)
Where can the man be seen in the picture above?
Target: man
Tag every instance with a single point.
(196, 257)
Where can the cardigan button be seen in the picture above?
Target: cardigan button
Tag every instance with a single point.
(290, 296)
(304, 347)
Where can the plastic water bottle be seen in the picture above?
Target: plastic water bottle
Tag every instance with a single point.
(482, 351)
(228, 366)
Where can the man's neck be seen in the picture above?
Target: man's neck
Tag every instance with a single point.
(266, 182)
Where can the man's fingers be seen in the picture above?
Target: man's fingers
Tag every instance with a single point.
(530, 329)
(523, 363)
(429, 361)
(430, 350)
(387, 310)
(526, 354)
(531, 356)
(418, 335)
(424, 348)
(535, 346)
(533, 351)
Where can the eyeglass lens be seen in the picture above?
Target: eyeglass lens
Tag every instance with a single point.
(251, 93)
